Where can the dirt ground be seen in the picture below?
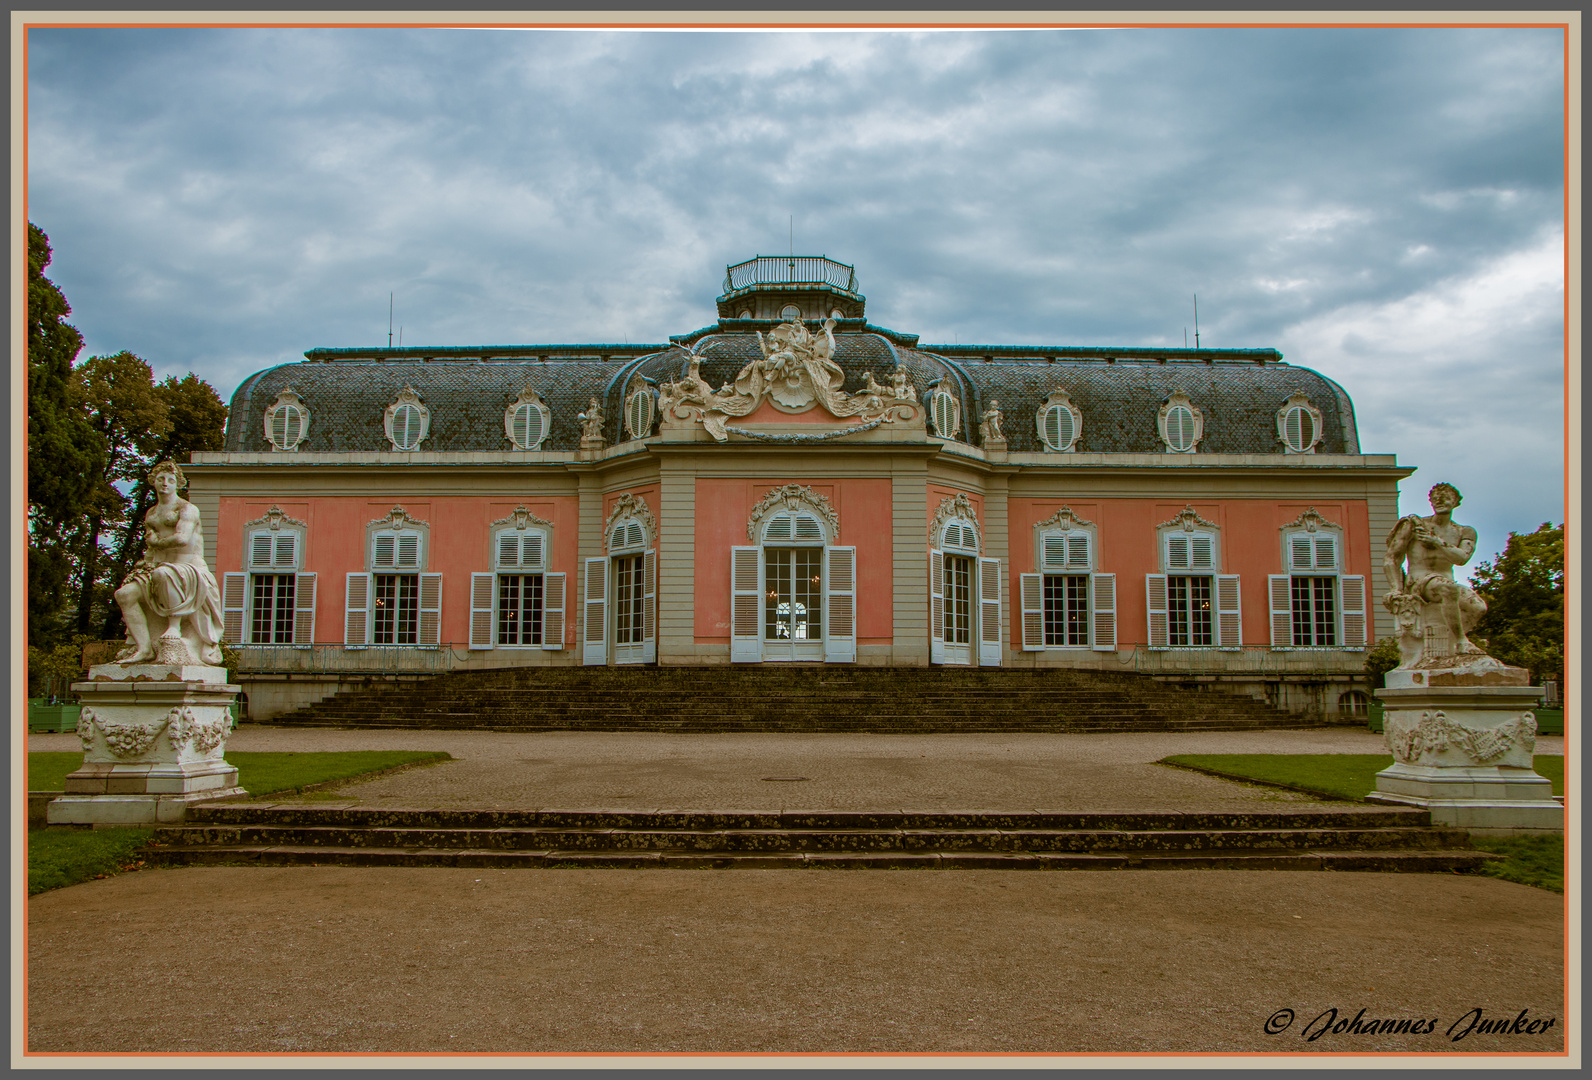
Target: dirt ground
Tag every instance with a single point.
(217, 960)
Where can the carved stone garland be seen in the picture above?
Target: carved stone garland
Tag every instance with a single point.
(627, 505)
(1311, 521)
(793, 497)
(1436, 732)
(1065, 520)
(1187, 519)
(275, 519)
(521, 518)
(398, 518)
(957, 506)
(135, 740)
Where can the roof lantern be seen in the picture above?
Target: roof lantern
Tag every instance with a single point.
(779, 287)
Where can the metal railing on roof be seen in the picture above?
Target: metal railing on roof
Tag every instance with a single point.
(790, 269)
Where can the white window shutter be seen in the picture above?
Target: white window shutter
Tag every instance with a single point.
(936, 606)
(234, 598)
(483, 610)
(408, 550)
(508, 552)
(531, 551)
(1280, 591)
(1078, 552)
(594, 621)
(430, 623)
(1353, 607)
(304, 611)
(746, 606)
(1155, 609)
(1031, 596)
(1229, 614)
(1202, 552)
(1326, 553)
(1299, 555)
(649, 606)
(1055, 552)
(840, 637)
(356, 611)
(554, 588)
(1177, 551)
(260, 551)
(286, 551)
(1103, 612)
(989, 613)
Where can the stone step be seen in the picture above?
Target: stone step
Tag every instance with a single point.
(1424, 861)
(836, 840)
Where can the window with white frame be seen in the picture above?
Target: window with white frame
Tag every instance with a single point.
(640, 409)
(520, 604)
(1067, 604)
(964, 590)
(793, 590)
(1191, 603)
(273, 601)
(1299, 425)
(1314, 605)
(287, 422)
(945, 413)
(620, 614)
(1181, 424)
(394, 601)
(1059, 422)
(407, 421)
(527, 421)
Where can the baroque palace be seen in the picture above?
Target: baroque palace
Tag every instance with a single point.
(794, 484)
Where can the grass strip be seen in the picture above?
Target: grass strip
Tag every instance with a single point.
(61, 857)
(259, 772)
(1336, 776)
(1531, 860)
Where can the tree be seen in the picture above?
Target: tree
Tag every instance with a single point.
(65, 454)
(130, 417)
(1524, 590)
(196, 419)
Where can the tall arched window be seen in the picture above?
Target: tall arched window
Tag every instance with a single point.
(793, 591)
(964, 590)
(620, 617)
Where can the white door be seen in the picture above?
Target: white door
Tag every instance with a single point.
(960, 606)
(793, 602)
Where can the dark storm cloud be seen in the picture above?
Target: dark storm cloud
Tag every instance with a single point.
(1383, 205)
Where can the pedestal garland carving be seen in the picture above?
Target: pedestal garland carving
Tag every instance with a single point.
(1435, 732)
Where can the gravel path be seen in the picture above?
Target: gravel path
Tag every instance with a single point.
(357, 960)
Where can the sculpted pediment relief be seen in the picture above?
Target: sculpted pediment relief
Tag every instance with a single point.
(795, 374)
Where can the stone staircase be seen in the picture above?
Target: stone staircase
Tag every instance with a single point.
(1362, 839)
(794, 699)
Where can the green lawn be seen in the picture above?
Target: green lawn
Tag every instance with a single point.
(258, 773)
(1531, 860)
(1338, 776)
(61, 857)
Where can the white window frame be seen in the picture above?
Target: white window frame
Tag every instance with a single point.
(529, 402)
(1066, 545)
(643, 397)
(813, 524)
(485, 588)
(287, 402)
(1058, 402)
(1313, 547)
(630, 531)
(1295, 408)
(407, 399)
(1163, 421)
(409, 542)
(1179, 543)
(264, 554)
(944, 412)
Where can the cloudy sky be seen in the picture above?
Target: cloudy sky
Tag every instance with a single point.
(1384, 206)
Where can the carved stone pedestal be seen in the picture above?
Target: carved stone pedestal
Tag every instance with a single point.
(1465, 754)
(154, 739)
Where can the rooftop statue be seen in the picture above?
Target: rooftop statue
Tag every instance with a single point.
(170, 601)
(591, 426)
(796, 371)
(1424, 594)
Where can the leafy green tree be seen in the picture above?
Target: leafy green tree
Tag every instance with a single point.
(1380, 659)
(65, 454)
(130, 415)
(1524, 590)
(197, 420)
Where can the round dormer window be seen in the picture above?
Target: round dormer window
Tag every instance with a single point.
(1059, 428)
(1299, 429)
(406, 427)
(745, 314)
(528, 426)
(790, 311)
(1180, 428)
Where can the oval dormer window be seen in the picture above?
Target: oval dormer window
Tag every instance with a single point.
(1299, 429)
(287, 427)
(406, 427)
(943, 412)
(638, 413)
(528, 426)
(1059, 428)
(1180, 428)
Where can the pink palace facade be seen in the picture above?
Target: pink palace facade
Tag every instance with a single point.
(796, 485)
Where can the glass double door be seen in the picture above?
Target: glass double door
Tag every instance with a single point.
(793, 592)
(958, 609)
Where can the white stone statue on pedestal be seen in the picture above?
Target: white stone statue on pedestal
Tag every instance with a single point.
(1457, 721)
(170, 602)
(155, 721)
